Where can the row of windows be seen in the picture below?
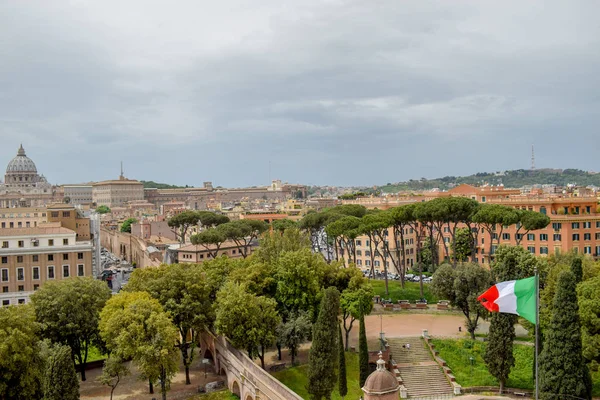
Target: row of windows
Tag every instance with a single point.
(6, 303)
(35, 273)
(35, 243)
(19, 215)
(19, 224)
(36, 258)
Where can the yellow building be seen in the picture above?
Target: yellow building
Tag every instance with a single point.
(117, 193)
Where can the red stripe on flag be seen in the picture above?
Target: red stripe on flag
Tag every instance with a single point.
(488, 299)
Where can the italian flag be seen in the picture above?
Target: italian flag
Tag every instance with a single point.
(512, 297)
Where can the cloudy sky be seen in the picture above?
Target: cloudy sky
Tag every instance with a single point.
(326, 92)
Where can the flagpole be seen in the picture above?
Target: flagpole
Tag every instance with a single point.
(537, 323)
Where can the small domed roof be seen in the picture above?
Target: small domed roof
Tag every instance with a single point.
(21, 163)
(381, 380)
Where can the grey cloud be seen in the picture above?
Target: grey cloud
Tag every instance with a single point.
(331, 92)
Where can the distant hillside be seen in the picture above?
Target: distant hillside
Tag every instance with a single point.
(513, 179)
(155, 185)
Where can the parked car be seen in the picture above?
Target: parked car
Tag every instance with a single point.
(408, 277)
(427, 280)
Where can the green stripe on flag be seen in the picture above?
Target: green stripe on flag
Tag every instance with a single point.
(525, 292)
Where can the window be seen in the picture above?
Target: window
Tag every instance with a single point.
(377, 264)
(506, 236)
(446, 240)
(20, 288)
(519, 236)
(368, 263)
(597, 250)
(597, 235)
(50, 257)
(50, 242)
(4, 260)
(531, 236)
(50, 272)
(4, 289)
(36, 273)
(5, 244)
(367, 253)
(19, 259)
(556, 226)
(65, 271)
(358, 262)
(21, 243)
(359, 243)
(80, 270)
(597, 224)
(21, 301)
(20, 274)
(65, 242)
(4, 275)
(483, 199)
(446, 229)
(4, 225)
(543, 250)
(587, 225)
(544, 237)
(587, 250)
(54, 214)
(66, 214)
(482, 240)
(65, 256)
(575, 236)
(367, 243)
(5, 303)
(531, 249)
(36, 287)
(575, 225)
(359, 252)
(36, 243)
(494, 248)
(543, 210)
(587, 236)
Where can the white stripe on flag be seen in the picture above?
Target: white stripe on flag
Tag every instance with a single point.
(507, 301)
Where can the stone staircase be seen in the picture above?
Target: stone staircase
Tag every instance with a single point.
(420, 374)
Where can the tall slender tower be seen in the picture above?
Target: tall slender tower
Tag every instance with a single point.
(532, 159)
(121, 177)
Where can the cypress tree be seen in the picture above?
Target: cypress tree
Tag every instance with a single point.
(323, 354)
(498, 355)
(342, 380)
(563, 372)
(363, 352)
(61, 382)
(577, 269)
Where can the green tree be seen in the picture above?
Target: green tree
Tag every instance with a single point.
(588, 294)
(21, 364)
(126, 226)
(462, 244)
(135, 326)
(563, 372)
(462, 286)
(322, 358)
(68, 313)
(114, 369)
(210, 219)
(249, 321)
(60, 381)
(243, 233)
(280, 225)
(273, 246)
(295, 331)
(355, 301)
(529, 221)
(211, 239)
(181, 223)
(363, 352)
(299, 276)
(102, 209)
(490, 216)
(342, 379)
(183, 292)
(577, 269)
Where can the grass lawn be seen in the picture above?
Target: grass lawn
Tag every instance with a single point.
(94, 354)
(457, 352)
(410, 292)
(295, 378)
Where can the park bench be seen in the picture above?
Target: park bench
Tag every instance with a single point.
(443, 305)
(520, 394)
(388, 306)
(421, 305)
(404, 304)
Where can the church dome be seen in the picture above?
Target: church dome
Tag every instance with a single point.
(381, 381)
(21, 163)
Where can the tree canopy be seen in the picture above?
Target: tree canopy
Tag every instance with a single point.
(126, 226)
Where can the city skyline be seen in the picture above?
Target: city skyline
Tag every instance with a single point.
(323, 93)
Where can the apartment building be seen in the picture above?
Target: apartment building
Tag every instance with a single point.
(78, 194)
(195, 254)
(29, 257)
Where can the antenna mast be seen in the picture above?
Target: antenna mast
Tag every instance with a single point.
(532, 159)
